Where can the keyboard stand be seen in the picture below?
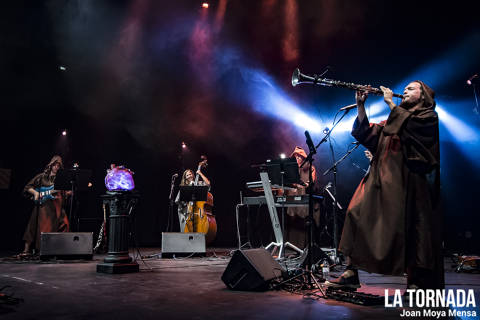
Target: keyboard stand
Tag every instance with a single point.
(272, 209)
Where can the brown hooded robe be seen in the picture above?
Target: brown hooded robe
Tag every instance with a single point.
(393, 221)
(48, 217)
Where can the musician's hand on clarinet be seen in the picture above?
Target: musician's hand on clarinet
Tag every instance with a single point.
(361, 97)
(388, 97)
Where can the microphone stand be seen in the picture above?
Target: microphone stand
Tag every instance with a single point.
(308, 272)
(333, 168)
(73, 214)
(327, 135)
(308, 279)
(170, 203)
(309, 158)
(476, 109)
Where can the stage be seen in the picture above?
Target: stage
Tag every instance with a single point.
(183, 288)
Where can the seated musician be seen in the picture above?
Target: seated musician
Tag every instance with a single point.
(188, 179)
(295, 225)
(48, 215)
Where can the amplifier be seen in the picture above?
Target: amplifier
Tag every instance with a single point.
(66, 245)
(179, 242)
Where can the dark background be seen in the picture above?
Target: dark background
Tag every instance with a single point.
(143, 76)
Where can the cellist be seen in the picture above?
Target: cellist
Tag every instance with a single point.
(188, 179)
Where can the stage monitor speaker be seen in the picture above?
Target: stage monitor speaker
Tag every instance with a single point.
(183, 243)
(66, 245)
(251, 270)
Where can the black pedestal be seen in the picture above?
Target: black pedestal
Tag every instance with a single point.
(119, 205)
(117, 267)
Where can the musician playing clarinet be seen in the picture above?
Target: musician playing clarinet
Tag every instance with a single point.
(393, 222)
(48, 214)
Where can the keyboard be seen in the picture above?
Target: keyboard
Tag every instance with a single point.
(257, 186)
(280, 201)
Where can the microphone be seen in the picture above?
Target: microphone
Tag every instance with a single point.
(469, 81)
(175, 175)
(310, 144)
(350, 106)
(355, 143)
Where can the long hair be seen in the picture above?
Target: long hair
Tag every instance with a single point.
(428, 104)
(55, 159)
(428, 94)
(184, 182)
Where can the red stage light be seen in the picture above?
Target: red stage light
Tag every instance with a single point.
(205, 5)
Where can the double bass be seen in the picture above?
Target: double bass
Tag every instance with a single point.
(200, 216)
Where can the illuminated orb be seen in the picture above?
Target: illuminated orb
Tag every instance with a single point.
(119, 179)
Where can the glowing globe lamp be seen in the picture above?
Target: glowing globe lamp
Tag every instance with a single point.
(119, 179)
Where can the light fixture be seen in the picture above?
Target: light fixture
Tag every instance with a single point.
(119, 179)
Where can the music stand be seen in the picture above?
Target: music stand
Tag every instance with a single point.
(74, 180)
(193, 194)
(283, 171)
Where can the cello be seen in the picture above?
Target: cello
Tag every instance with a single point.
(200, 216)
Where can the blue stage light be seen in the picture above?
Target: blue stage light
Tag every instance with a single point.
(460, 131)
(266, 97)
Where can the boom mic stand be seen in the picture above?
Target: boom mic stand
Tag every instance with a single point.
(171, 201)
(307, 275)
(333, 168)
(476, 109)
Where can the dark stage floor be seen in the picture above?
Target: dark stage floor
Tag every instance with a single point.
(187, 288)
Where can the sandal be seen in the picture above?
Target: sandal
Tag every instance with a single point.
(23, 255)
